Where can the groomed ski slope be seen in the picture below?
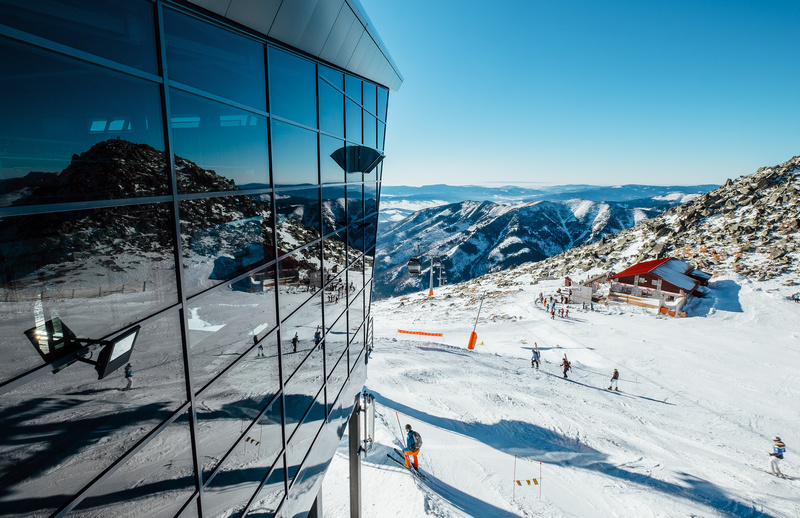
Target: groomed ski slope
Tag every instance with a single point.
(688, 434)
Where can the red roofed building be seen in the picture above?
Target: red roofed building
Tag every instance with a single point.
(670, 281)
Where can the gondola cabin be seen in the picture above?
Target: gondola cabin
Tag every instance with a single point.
(414, 266)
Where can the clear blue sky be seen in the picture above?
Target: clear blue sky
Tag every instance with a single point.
(589, 91)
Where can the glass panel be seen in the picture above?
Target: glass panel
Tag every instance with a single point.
(303, 439)
(370, 98)
(335, 302)
(370, 131)
(332, 76)
(371, 198)
(299, 277)
(352, 88)
(271, 495)
(299, 335)
(353, 120)
(217, 147)
(151, 481)
(333, 209)
(381, 136)
(330, 170)
(355, 279)
(300, 392)
(383, 102)
(230, 407)
(61, 431)
(84, 133)
(331, 109)
(356, 314)
(215, 60)
(298, 218)
(336, 379)
(336, 341)
(355, 209)
(224, 237)
(292, 87)
(119, 30)
(294, 155)
(96, 270)
(227, 322)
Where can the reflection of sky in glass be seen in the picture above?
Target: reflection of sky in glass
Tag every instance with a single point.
(67, 109)
(227, 140)
(292, 87)
(294, 154)
(353, 119)
(331, 110)
(330, 171)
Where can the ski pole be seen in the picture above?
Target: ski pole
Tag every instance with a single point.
(401, 429)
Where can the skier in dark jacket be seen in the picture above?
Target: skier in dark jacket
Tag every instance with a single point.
(567, 367)
(411, 449)
(128, 376)
(535, 356)
(614, 379)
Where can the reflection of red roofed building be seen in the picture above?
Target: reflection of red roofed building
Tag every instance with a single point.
(660, 283)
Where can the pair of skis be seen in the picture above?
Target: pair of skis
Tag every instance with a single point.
(402, 463)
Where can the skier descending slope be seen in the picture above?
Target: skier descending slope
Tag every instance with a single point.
(778, 449)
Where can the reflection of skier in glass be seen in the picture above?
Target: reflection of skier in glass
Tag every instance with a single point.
(128, 376)
(260, 349)
(317, 336)
(778, 449)
(294, 343)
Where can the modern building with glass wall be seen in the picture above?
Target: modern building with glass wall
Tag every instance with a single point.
(188, 212)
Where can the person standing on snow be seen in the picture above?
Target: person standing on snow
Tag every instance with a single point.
(614, 379)
(535, 357)
(778, 449)
(413, 445)
(128, 376)
(567, 367)
(294, 343)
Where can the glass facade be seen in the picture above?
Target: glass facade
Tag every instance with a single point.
(165, 174)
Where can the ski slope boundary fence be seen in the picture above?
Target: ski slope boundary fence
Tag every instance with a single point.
(419, 333)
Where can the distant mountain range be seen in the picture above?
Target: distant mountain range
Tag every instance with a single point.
(472, 238)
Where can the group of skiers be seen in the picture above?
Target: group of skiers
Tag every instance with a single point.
(566, 365)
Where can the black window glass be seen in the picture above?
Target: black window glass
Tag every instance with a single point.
(353, 119)
(272, 493)
(119, 30)
(352, 87)
(332, 76)
(247, 465)
(299, 276)
(217, 147)
(292, 87)
(76, 133)
(333, 210)
(294, 155)
(215, 60)
(383, 101)
(331, 109)
(370, 131)
(223, 238)
(231, 407)
(370, 198)
(355, 209)
(303, 440)
(71, 425)
(150, 480)
(96, 270)
(227, 322)
(381, 136)
(298, 218)
(370, 231)
(370, 99)
(300, 392)
(330, 169)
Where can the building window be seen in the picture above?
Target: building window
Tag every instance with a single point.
(292, 87)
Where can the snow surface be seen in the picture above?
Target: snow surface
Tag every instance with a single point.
(687, 435)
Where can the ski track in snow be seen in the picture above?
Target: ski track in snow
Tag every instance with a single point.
(699, 400)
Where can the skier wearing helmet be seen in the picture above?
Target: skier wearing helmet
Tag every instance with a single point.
(778, 449)
(413, 444)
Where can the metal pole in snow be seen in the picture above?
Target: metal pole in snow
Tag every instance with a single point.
(402, 444)
(540, 480)
(479, 313)
(430, 290)
(513, 487)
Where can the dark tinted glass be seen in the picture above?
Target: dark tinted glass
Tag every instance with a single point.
(303, 438)
(336, 343)
(304, 325)
(330, 170)
(353, 118)
(355, 282)
(225, 323)
(331, 109)
(228, 407)
(370, 131)
(215, 60)
(300, 391)
(356, 310)
(217, 147)
(294, 155)
(383, 101)
(63, 416)
(224, 237)
(150, 480)
(381, 136)
(370, 198)
(352, 87)
(332, 76)
(299, 277)
(97, 270)
(334, 295)
(119, 30)
(337, 375)
(298, 214)
(247, 465)
(81, 133)
(370, 99)
(272, 493)
(333, 209)
(292, 87)
(355, 209)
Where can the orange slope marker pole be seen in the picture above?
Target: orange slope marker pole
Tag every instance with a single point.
(473, 337)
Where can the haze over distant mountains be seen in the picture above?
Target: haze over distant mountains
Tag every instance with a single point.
(508, 227)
